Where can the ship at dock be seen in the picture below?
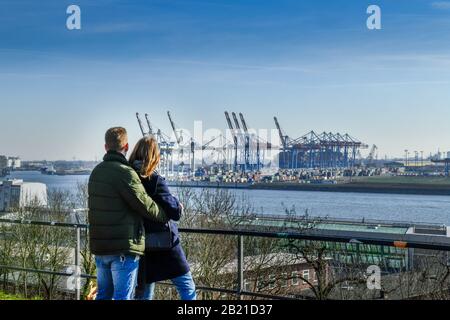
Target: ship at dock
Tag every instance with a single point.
(50, 170)
(79, 172)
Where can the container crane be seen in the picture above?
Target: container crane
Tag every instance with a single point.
(240, 136)
(237, 125)
(230, 126)
(247, 141)
(283, 139)
(258, 149)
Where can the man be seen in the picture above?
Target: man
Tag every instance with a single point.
(118, 203)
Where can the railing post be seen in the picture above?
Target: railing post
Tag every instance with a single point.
(240, 287)
(78, 263)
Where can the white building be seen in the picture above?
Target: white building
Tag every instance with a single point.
(10, 162)
(16, 193)
(16, 163)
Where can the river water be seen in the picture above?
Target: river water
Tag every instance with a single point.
(394, 207)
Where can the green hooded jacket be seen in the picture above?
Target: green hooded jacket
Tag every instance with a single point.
(118, 203)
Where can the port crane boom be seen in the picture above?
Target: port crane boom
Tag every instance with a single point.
(244, 124)
(140, 123)
(371, 155)
(177, 136)
(209, 142)
(230, 125)
(150, 129)
(236, 123)
(283, 138)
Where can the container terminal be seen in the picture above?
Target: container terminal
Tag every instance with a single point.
(325, 161)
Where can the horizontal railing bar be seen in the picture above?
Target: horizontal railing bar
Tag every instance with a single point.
(56, 273)
(383, 239)
(242, 293)
(45, 223)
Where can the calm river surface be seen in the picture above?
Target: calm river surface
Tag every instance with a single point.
(414, 208)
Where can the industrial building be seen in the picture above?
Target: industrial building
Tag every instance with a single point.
(19, 194)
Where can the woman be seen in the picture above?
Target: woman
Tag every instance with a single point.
(169, 264)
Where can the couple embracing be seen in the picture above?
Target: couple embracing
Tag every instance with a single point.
(131, 223)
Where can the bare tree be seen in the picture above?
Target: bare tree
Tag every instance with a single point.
(39, 247)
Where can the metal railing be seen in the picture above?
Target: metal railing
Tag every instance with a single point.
(439, 243)
(350, 221)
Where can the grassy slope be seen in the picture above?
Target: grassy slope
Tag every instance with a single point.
(5, 296)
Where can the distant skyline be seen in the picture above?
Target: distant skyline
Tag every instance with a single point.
(313, 64)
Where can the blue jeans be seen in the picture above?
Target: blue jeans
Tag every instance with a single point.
(185, 286)
(116, 276)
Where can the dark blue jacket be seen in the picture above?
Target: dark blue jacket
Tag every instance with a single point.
(157, 188)
(163, 265)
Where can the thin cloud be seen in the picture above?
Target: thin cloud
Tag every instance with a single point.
(232, 65)
(441, 5)
(30, 75)
(380, 84)
(118, 27)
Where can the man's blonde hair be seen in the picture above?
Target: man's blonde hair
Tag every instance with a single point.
(116, 138)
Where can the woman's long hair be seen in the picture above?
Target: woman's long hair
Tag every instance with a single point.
(146, 151)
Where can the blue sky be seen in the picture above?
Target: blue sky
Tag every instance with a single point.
(314, 64)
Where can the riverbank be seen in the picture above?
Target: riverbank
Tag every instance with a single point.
(408, 185)
(391, 185)
(361, 187)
